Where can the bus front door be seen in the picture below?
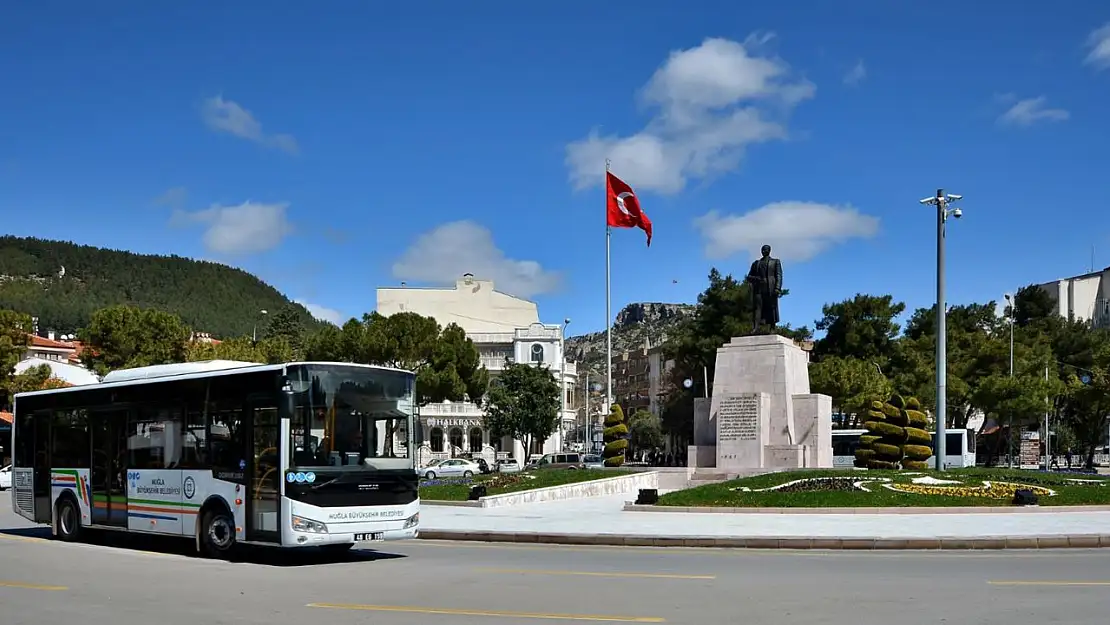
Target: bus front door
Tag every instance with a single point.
(108, 474)
(264, 474)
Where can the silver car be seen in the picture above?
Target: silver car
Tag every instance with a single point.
(456, 467)
(593, 461)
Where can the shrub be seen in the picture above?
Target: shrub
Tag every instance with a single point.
(895, 436)
(615, 437)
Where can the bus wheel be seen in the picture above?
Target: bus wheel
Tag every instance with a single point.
(217, 536)
(69, 520)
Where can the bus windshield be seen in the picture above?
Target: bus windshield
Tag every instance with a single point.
(350, 417)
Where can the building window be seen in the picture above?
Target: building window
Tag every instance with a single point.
(475, 440)
(456, 439)
(437, 440)
(537, 352)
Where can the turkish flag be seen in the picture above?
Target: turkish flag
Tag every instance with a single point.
(623, 207)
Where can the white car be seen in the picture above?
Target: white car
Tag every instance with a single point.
(456, 467)
(6, 477)
(508, 466)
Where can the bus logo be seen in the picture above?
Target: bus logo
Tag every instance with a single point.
(290, 477)
(189, 487)
(133, 477)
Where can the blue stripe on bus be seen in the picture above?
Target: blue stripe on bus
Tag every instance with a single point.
(62, 484)
(159, 517)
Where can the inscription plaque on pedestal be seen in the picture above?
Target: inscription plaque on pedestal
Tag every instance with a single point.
(738, 418)
(742, 430)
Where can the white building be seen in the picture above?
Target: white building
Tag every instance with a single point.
(503, 328)
(1083, 298)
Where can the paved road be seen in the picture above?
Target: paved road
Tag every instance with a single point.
(43, 582)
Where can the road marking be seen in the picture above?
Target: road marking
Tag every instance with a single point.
(490, 613)
(597, 574)
(26, 539)
(1045, 583)
(30, 586)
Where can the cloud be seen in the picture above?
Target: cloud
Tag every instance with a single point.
(709, 102)
(856, 75)
(795, 230)
(174, 197)
(1030, 111)
(228, 116)
(1099, 43)
(323, 313)
(442, 255)
(248, 228)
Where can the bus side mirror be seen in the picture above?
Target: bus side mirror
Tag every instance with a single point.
(285, 407)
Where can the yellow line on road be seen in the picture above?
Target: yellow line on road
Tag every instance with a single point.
(597, 574)
(1046, 583)
(28, 539)
(30, 586)
(490, 613)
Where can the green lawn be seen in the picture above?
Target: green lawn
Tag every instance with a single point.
(841, 493)
(456, 489)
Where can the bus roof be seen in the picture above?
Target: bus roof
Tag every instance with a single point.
(193, 370)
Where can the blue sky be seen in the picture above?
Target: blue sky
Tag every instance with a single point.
(335, 147)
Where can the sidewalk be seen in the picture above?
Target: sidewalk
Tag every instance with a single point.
(600, 520)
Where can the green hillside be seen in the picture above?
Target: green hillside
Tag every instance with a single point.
(209, 297)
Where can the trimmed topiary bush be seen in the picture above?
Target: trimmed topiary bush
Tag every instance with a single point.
(895, 437)
(615, 437)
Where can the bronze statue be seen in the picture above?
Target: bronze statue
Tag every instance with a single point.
(765, 280)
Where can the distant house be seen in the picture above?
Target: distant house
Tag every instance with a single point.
(49, 348)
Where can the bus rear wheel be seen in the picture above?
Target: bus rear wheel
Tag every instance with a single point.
(217, 534)
(68, 520)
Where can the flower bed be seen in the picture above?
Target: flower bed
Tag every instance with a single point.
(878, 488)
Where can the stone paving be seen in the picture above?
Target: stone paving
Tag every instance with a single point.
(603, 516)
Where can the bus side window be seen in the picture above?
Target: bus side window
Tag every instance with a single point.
(194, 439)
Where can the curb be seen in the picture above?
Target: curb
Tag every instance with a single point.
(631, 507)
(1078, 541)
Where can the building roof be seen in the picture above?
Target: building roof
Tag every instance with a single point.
(34, 340)
(70, 374)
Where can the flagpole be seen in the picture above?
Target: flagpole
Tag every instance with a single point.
(608, 304)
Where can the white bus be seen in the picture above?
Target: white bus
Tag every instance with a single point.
(222, 453)
(959, 450)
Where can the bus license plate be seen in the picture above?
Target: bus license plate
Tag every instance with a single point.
(368, 537)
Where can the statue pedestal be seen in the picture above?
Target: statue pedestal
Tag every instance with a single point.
(761, 410)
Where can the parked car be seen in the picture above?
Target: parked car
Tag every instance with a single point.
(593, 461)
(509, 465)
(561, 461)
(456, 467)
(6, 477)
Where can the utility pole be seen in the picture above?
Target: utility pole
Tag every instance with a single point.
(1010, 426)
(941, 201)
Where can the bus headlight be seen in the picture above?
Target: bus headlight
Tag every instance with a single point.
(302, 524)
(412, 521)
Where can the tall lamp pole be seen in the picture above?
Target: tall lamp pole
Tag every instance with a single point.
(1010, 418)
(941, 201)
(563, 384)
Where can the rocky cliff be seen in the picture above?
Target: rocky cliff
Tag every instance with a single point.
(638, 325)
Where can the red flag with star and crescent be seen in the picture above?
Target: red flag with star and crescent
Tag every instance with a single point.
(623, 207)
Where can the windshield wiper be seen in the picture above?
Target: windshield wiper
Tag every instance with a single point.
(323, 484)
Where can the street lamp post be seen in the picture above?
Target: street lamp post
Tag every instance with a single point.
(254, 330)
(1010, 426)
(563, 383)
(941, 201)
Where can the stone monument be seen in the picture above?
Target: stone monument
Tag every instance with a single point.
(761, 414)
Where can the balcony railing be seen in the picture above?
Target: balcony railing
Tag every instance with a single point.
(459, 409)
(487, 338)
